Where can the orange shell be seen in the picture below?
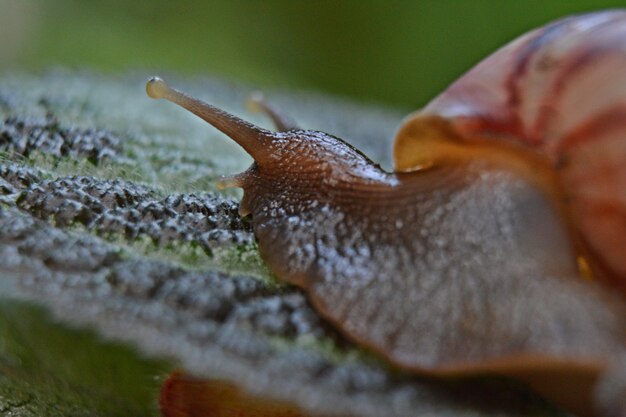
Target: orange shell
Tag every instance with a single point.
(559, 92)
(183, 395)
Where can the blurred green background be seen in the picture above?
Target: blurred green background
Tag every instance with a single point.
(398, 52)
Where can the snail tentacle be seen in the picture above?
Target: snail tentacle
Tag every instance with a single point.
(256, 103)
(253, 139)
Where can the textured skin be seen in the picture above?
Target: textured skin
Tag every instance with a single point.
(455, 269)
(561, 92)
(426, 267)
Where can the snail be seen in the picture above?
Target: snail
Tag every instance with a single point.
(497, 244)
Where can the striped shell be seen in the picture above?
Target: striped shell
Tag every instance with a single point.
(560, 91)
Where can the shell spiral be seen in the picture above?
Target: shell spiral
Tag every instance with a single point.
(560, 92)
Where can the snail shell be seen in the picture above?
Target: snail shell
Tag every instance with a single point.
(468, 257)
(560, 92)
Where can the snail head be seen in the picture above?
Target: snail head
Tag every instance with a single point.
(292, 159)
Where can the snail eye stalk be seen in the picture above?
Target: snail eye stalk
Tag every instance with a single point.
(253, 139)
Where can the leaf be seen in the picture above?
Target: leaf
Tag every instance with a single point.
(138, 248)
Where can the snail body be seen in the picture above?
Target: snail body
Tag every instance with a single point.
(467, 258)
